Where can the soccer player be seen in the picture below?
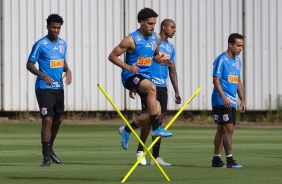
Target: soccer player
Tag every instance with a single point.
(50, 53)
(141, 47)
(159, 75)
(227, 82)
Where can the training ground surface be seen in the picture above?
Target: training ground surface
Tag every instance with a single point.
(91, 153)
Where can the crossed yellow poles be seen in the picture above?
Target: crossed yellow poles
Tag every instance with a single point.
(137, 137)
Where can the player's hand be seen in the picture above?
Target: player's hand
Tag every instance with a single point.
(133, 68)
(68, 76)
(177, 99)
(165, 62)
(132, 94)
(227, 103)
(47, 79)
(242, 107)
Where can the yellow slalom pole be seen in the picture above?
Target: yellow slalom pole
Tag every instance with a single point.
(134, 133)
(167, 126)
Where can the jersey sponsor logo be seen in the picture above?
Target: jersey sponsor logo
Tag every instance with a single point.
(62, 49)
(168, 48)
(231, 99)
(225, 117)
(43, 111)
(57, 85)
(56, 63)
(154, 45)
(164, 55)
(233, 78)
(144, 61)
(156, 80)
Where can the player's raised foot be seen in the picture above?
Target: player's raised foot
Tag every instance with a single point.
(138, 155)
(217, 162)
(160, 161)
(233, 165)
(124, 137)
(46, 162)
(160, 131)
(54, 158)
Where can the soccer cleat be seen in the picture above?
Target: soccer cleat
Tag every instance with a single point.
(124, 137)
(138, 155)
(233, 165)
(160, 161)
(45, 163)
(54, 158)
(160, 131)
(217, 162)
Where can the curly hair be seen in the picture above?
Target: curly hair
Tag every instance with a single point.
(146, 13)
(54, 18)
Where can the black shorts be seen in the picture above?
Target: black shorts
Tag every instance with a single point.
(161, 97)
(223, 115)
(132, 84)
(50, 101)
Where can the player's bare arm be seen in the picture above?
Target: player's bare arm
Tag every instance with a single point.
(30, 67)
(126, 45)
(68, 74)
(174, 82)
(216, 82)
(241, 96)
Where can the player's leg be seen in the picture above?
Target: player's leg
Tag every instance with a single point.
(57, 120)
(46, 102)
(229, 119)
(162, 105)
(216, 161)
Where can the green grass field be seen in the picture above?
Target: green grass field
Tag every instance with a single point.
(92, 154)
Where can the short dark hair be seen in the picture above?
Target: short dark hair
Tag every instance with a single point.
(54, 18)
(146, 13)
(234, 36)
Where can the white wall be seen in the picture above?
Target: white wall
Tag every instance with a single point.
(93, 28)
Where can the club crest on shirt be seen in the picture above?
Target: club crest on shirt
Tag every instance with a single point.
(225, 117)
(168, 48)
(154, 45)
(215, 117)
(43, 111)
(62, 49)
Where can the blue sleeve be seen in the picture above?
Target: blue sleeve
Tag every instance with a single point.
(217, 67)
(172, 58)
(35, 53)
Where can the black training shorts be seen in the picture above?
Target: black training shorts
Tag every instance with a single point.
(223, 115)
(50, 101)
(161, 97)
(132, 84)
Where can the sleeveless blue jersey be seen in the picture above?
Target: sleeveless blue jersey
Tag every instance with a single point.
(50, 57)
(159, 73)
(142, 56)
(228, 70)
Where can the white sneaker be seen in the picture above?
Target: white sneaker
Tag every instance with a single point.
(138, 155)
(160, 161)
